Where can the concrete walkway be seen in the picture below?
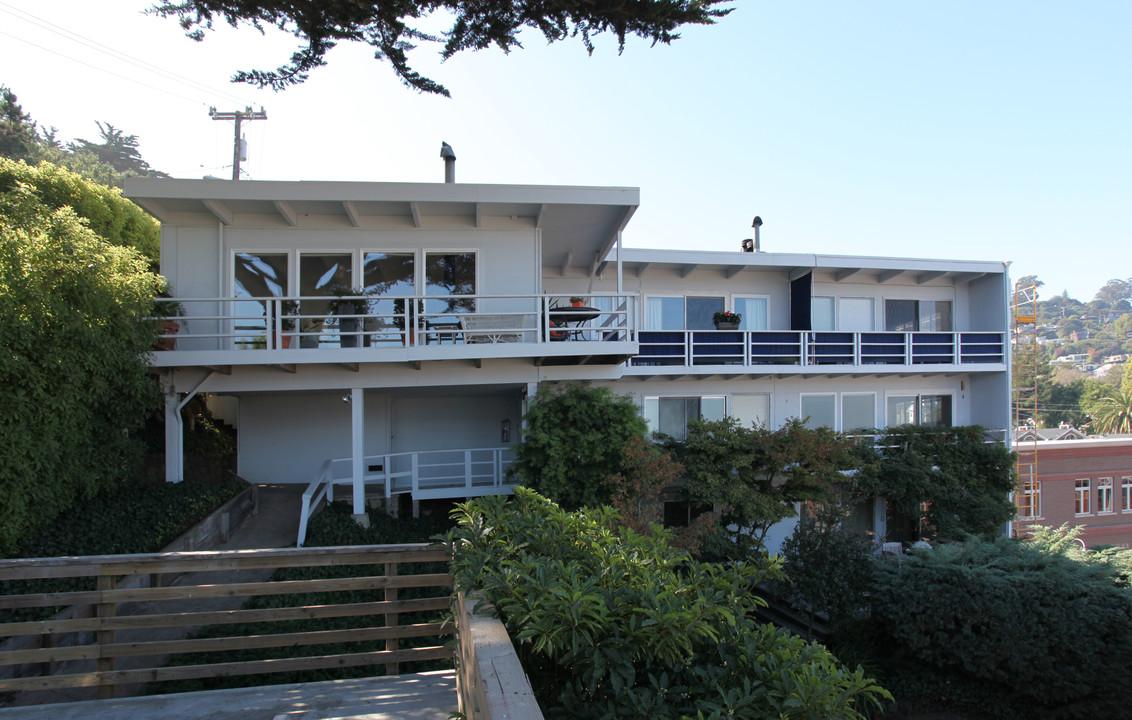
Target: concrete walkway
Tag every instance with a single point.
(425, 696)
(274, 525)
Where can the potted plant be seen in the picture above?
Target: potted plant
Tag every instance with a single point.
(288, 314)
(166, 311)
(347, 306)
(577, 301)
(726, 320)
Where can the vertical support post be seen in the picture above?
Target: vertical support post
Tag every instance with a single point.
(106, 689)
(391, 619)
(174, 437)
(357, 435)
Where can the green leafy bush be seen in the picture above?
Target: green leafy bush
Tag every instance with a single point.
(828, 569)
(74, 377)
(132, 517)
(109, 215)
(572, 442)
(757, 474)
(615, 624)
(963, 479)
(1005, 629)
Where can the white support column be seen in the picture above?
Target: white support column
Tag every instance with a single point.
(620, 288)
(357, 435)
(174, 437)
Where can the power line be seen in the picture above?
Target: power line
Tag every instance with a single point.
(108, 72)
(112, 52)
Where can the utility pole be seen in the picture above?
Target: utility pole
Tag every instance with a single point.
(239, 117)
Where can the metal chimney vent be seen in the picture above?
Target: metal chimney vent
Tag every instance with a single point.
(449, 156)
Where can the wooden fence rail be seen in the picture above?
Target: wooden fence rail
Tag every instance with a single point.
(131, 630)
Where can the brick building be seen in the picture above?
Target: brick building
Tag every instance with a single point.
(1086, 481)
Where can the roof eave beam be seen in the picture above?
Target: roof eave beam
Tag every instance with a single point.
(845, 274)
(415, 208)
(352, 213)
(888, 275)
(288, 212)
(220, 210)
(566, 263)
(924, 278)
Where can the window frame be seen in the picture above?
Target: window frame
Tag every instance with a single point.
(658, 398)
(748, 296)
(1105, 496)
(1126, 493)
(919, 313)
(841, 413)
(836, 408)
(918, 396)
(1082, 497)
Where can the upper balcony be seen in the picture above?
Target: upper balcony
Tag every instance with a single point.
(547, 329)
(796, 351)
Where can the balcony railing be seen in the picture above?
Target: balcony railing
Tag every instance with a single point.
(425, 474)
(806, 348)
(367, 321)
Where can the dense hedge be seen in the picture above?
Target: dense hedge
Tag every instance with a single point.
(963, 480)
(74, 376)
(572, 440)
(108, 214)
(132, 517)
(610, 623)
(1005, 629)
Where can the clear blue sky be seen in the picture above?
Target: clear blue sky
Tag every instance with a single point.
(965, 129)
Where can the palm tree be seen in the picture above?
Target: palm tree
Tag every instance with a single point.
(1112, 412)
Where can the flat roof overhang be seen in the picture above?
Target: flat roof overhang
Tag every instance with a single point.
(579, 225)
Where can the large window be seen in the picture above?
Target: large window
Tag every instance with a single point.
(1104, 495)
(1081, 497)
(257, 275)
(858, 412)
(389, 276)
(821, 313)
(819, 410)
(917, 315)
(855, 314)
(926, 410)
(670, 415)
(681, 313)
(753, 311)
(753, 409)
(1126, 494)
(447, 274)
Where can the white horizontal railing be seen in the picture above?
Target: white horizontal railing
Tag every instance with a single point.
(427, 474)
(807, 348)
(374, 321)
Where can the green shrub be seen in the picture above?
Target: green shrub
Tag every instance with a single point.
(964, 480)
(572, 442)
(758, 475)
(1005, 629)
(74, 378)
(610, 623)
(132, 517)
(828, 570)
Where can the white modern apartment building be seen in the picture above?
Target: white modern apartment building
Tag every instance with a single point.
(456, 301)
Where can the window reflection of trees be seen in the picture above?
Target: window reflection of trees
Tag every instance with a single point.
(450, 274)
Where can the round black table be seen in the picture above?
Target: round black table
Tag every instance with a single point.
(573, 317)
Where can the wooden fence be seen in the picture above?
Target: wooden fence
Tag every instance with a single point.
(491, 682)
(116, 644)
